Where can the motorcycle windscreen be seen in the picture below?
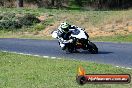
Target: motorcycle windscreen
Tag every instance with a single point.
(75, 32)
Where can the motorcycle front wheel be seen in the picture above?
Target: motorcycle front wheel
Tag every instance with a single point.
(92, 48)
(70, 48)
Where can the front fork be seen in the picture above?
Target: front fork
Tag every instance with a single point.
(71, 47)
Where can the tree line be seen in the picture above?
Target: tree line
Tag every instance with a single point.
(67, 3)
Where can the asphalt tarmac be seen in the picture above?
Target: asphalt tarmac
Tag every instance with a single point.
(118, 54)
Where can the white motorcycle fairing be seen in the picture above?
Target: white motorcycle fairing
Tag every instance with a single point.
(78, 33)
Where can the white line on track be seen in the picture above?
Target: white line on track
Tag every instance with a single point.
(53, 57)
(33, 55)
(46, 56)
(123, 67)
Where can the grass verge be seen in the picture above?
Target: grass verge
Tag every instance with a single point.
(21, 71)
(116, 38)
(21, 35)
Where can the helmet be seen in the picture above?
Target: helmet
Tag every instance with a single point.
(64, 27)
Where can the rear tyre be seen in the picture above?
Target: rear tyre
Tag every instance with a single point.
(92, 48)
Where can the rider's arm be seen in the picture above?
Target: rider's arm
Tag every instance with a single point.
(60, 34)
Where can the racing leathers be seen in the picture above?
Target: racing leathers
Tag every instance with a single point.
(64, 36)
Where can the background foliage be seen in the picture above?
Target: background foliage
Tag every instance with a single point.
(12, 21)
(123, 4)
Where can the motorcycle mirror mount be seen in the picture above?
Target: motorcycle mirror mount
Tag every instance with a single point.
(83, 29)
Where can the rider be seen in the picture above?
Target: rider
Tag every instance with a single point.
(64, 33)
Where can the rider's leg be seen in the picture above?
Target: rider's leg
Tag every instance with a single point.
(75, 47)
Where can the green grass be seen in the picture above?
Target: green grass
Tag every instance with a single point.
(79, 17)
(21, 71)
(23, 35)
(116, 38)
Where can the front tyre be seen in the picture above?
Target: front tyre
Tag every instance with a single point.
(70, 48)
(92, 48)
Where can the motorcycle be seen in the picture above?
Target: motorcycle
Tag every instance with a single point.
(77, 40)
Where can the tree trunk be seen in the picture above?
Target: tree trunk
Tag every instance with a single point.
(53, 2)
(78, 2)
(19, 3)
(1, 3)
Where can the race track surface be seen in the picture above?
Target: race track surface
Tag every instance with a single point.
(118, 54)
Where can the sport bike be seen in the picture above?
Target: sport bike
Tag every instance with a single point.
(78, 39)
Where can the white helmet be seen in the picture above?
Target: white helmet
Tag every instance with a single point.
(64, 27)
